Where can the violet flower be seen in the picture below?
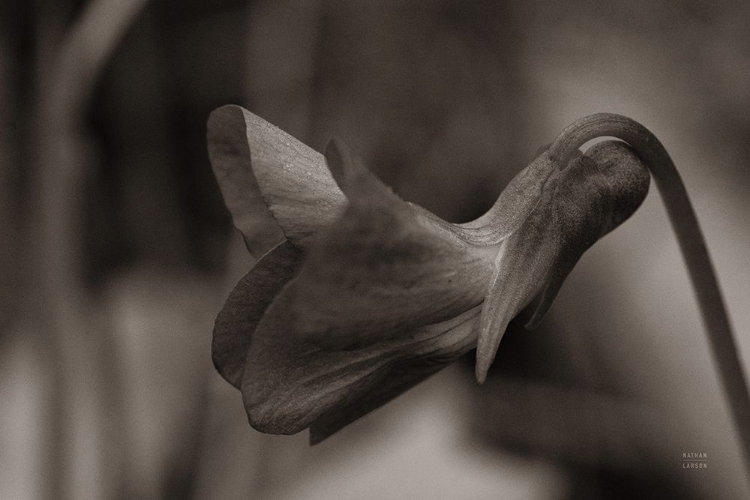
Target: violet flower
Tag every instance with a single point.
(358, 295)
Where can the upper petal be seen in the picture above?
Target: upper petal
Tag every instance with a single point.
(229, 153)
(294, 181)
(274, 185)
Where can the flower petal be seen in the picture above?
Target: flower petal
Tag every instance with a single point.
(512, 208)
(230, 158)
(290, 383)
(274, 185)
(382, 269)
(245, 306)
(457, 336)
(361, 312)
(520, 269)
(579, 205)
(294, 181)
(614, 194)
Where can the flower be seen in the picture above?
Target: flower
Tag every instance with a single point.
(358, 295)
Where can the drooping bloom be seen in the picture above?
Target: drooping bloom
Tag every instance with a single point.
(358, 295)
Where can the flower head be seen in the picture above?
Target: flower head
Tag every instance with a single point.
(359, 295)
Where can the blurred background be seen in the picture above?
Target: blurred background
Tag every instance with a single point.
(117, 251)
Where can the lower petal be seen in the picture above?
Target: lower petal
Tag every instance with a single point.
(290, 384)
(245, 307)
(457, 336)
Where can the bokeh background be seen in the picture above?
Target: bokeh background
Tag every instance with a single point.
(117, 251)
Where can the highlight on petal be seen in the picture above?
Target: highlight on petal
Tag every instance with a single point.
(245, 307)
(580, 204)
(274, 186)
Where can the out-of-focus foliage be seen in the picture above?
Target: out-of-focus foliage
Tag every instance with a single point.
(448, 100)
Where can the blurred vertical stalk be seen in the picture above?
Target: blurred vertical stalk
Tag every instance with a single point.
(84, 371)
(9, 161)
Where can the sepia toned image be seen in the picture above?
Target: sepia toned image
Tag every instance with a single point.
(327, 249)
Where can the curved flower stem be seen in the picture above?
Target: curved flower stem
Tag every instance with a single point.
(690, 238)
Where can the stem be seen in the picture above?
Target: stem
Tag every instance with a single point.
(693, 246)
